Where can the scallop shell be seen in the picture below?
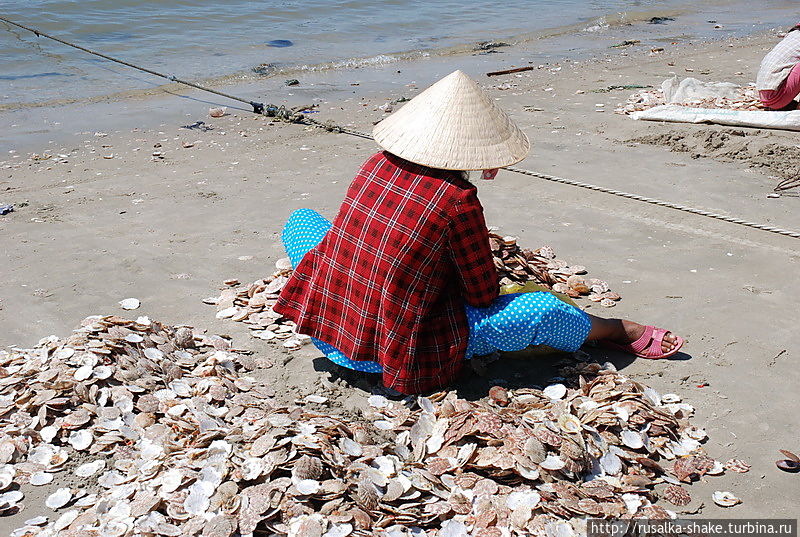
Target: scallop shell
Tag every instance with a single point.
(10, 499)
(632, 439)
(80, 439)
(90, 468)
(7, 473)
(555, 391)
(553, 462)
(59, 498)
(307, 467)
(677, 495)
(737, 465)
(283, 263)
(569, 423)
(129, 303)
(725, 499)
(41, 478)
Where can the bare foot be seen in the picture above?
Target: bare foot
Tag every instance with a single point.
(634, 331)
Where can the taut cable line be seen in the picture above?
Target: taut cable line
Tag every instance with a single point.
(295, 115)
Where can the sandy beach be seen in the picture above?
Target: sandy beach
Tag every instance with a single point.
(166, 213)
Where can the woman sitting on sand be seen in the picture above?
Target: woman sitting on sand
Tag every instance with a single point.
(778, 80)
(403, 282)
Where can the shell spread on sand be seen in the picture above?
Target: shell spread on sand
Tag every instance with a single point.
(186, 441)
(555, 391)
(129, 303)
(59, 498)
(725, 499)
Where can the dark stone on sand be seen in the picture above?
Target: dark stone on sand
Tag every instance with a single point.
(279, 43)
(488, 45)
(659, 20)
(292, 82)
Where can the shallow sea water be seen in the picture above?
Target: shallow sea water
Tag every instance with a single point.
(216, 42)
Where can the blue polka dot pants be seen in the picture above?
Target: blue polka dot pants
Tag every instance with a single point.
(513, 322)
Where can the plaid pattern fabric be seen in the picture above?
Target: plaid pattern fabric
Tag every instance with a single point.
(778, 63)
(388, 282)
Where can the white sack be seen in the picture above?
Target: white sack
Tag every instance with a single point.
(761, 119)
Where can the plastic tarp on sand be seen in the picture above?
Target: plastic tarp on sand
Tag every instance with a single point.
(722, 116)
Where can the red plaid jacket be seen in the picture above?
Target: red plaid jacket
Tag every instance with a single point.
(389, 281)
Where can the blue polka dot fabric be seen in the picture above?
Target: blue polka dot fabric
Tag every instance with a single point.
(512, 323)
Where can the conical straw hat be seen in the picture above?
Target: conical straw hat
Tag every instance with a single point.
(453, 125)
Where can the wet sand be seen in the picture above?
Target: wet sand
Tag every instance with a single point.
(91, 231)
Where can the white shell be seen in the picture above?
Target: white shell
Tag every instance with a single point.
(129, 303)
(725, 499)
(339, 530)
(632, 502)
(102, 372)
(10, 498)
(569, 423)
(284, 263)
(529, 498)
(378, 401)
(90, 468)
(41, 478)
(555, 391)
(36, 521)
(81, 439)
(351, 447)
(153, 353)
(453, 528)
(7, 473)
(134, 338)
(696, 433)
(653, 396)
(632, 439)
(670, 398)
(59, 498)
(227, 313)
(383, 425)
(307, 486)
(718, 469)
(66, 519)
(83, 372)
(553, 462)
(611, 464)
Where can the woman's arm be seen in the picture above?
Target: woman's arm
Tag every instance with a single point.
(469, 244)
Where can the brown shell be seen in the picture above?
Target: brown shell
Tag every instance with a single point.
(499, 395)
(535, 450)
(307, 467)
(677, 495)
(367, 495)
(737, 465)
(548, 437)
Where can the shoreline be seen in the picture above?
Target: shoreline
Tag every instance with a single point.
(35, 125)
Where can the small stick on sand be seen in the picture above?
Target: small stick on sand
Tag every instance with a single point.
(509, 71)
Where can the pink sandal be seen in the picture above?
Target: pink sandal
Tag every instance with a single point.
(648, 345)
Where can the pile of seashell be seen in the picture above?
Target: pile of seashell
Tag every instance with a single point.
(644, 100)
(148, 429)
(517, 266)
(252, 303)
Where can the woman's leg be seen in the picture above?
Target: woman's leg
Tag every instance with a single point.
(622, 332)
(516, 321)
(304, 230)
(784, 96)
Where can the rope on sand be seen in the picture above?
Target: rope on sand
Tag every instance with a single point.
(295, 115)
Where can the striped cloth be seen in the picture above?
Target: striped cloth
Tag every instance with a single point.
(776, 66)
